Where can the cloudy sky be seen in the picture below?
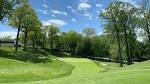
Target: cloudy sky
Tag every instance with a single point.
(67, 14)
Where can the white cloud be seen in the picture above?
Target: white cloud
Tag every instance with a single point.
(43, 11)
(69, 7)
(45, 6)
(100, 33)
(55, 22)
(12, 34)
(140, 34)
(56, 12)
(84, 6)
(82, 9)
(59, 12)
(88, 15)
(74, 20)
(72, 9)
(53, 15)
(99, 5)
(64, 13)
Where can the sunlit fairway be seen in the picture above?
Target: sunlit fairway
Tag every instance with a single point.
(71, 71)
(86, 72)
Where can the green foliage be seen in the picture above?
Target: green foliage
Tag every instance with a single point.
(89, 32)
(53, 36)
(69, 41)
(53, 30)
(121, 23)
(100, 46)
(20, 15)
(8, 6)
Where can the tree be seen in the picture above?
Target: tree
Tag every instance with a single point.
(123, 16)
(111, 14)
(19, 18)
(53, 31)
(30, 22)
(100, 46)
(69, 41)
(89, 33)
(8, 6)
(144, 17)
(72, 40)
(44, 34)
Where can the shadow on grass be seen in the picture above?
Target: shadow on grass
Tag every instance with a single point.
(65, 55)
(25, 56)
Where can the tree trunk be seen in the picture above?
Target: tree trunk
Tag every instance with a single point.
(43, 44)
(147, 30)
(1, 18)
(127, 47)
(33, 43)
(25, 39)
(36, 41)
(118, 41)
(19, 28)
(119, 48)
(51, 42)
(131, 45)
(89, 47)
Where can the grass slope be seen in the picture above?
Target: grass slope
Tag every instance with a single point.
(133, 74)
(87, 72)
(17, 71)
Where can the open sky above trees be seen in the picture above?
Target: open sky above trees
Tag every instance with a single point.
(67, 14)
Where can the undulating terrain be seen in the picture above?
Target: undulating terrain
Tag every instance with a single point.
(72, 71)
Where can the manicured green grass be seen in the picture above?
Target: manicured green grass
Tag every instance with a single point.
(17, 71)
(83, 68)
(72, 71)
(87, 72)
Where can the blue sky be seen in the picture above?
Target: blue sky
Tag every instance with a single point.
(68, 14)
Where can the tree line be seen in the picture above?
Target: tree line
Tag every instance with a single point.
(118, 43)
